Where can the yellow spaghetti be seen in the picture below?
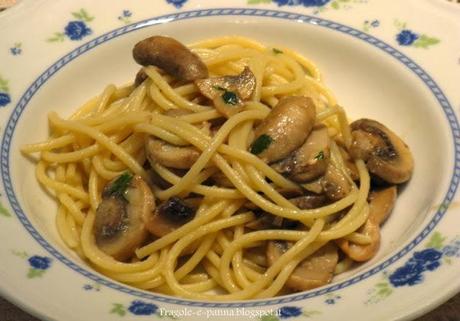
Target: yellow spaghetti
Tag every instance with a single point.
(227, 171)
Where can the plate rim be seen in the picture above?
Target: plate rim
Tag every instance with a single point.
(439, 95)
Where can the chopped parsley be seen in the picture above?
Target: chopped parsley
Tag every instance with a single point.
(276, 51)
(319, 156)
(119, 186)
(230, 98)
(261, 144)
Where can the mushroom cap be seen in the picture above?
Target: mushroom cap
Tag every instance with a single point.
(119, 225)
(381, 203)
(243, 84)
(335, 185)
(171, 56)
(287, 125)
(170, 215)
(385, 154)
(316, 270)
(159, 151)
(310, 160)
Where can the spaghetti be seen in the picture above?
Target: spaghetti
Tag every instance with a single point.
(227, 171)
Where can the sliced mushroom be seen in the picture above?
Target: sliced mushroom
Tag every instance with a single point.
(350, 164)
(335, 184)
(380, 206)
(228, 104)
(243, 85)
(169, 216)
(385, 154)
(310, 160)
(284, 129)
(311, 201)
(141, 76)
(159, 151)
(119, 227)
(171, 56)
(316, 270)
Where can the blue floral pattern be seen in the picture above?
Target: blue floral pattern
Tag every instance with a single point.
(16, 50)
(5, 97)
(75, 30)
(317, 5)
(38, 265)
(370, 24)
(177, 3)
(125, 16)
(407, 37)
(136, 307)
(413, 271)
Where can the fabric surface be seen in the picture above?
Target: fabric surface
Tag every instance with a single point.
(450, 311)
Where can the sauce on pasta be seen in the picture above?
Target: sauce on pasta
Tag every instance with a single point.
(225, 171)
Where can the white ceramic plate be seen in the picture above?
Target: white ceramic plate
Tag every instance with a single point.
(394, 61)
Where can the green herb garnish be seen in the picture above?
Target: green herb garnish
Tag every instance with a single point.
(319, 156)
(276, 51)
(261, 144)
(230, 98)
(120, 185)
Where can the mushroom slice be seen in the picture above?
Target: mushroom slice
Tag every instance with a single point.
(284, 129)
(385, 154)
(169, 216)
(381, 204)
(316, 270)
(350, 164)
(171, 56)
(159, 151)
(243, 85)
(310, 160)
(119, 226)
(141, 76)
(307, 202)
(335, 184)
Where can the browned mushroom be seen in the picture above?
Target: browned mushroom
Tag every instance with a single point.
(335, 184)
(141, 76)
(119, 227)
(171, 56)
(159, 151)
(169, 216)
(380, 205)
(285, 128)
(349, 163)
(316, 270)
(243, 85)
(310, 160)
(385, 154)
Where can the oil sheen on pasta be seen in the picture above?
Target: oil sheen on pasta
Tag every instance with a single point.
(225, 171)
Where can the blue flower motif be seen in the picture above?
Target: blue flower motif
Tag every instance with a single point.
(375, 23)
(329, 301)
(76, 30)
(39, 262)
(127, 13)
(429, 254)
(142, 308)
(16, 50)
(409, 274)
(177, 3)
(289, 312)
(4, 99)
(406, 37)
(305, 3)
